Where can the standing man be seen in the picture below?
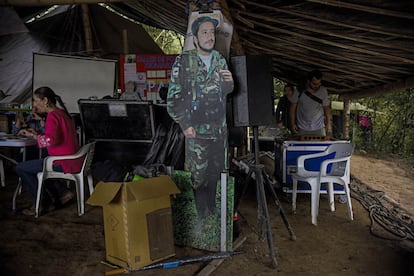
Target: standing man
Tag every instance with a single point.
(283, 107)
(196, 100)
(310, 112)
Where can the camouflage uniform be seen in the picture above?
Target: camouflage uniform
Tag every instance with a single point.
(197, 98)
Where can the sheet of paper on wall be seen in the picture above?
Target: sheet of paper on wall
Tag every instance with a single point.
(130, 71)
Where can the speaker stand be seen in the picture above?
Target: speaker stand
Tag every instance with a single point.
(262, 210)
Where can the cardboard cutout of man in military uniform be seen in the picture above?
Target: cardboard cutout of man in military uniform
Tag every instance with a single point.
(200, 82)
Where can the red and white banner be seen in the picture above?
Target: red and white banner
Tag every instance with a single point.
(145, 74)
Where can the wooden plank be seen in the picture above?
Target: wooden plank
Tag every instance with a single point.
(32, 3)
(346, 119)
(379, 90)
(87, 28)
(374, 10)
(322, 29)
(208, 269)
(279, 41)
(328, 42)
(383, 30)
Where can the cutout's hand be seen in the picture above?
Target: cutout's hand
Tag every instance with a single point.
(190, 132)
(226, 74)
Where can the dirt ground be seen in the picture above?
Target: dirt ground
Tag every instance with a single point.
(61, 243)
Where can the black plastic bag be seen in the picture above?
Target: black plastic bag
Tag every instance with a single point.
(108, 171)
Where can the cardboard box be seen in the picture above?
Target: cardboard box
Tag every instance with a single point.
(137, 220)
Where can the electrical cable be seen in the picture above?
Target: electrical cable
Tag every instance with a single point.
(384, 213)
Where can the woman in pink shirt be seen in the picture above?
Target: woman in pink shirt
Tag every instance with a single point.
(60, 138)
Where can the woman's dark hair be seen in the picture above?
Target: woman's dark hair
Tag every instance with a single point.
(47, 92)
(163, 93)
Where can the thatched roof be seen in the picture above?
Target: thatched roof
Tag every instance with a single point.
(364, 48)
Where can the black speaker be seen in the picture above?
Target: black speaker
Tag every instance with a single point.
(253, 93)
(235, 134)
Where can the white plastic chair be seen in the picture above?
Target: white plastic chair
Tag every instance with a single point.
(87, 152)
(335, 169)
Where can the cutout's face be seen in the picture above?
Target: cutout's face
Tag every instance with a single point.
(205, 38)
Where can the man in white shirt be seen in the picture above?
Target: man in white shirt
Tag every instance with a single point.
(310, 112)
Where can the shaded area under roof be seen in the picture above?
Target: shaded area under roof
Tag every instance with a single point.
(364, 48)
(61, 32)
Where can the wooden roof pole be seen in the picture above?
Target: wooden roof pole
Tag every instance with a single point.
(319, 63)
(34, 3)
(380, 90)
(362, 27)
(328, 42)
(346, 119)
(334, 55)
(87, 28)
(328, 32)
(125, 41)
(343, 4)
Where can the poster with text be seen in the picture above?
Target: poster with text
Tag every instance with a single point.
(145, 74)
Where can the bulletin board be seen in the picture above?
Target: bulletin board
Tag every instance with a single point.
(145, 74)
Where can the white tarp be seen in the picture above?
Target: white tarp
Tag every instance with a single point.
(61, 32)
(16, 46)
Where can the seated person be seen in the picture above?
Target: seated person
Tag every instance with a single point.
(163, 94)
(32, 121)
(60, 138)
(130, 92)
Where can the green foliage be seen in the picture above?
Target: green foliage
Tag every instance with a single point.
(392, 125)
(278, 86)
(362, 139)
(170, 42)
(189, 230)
